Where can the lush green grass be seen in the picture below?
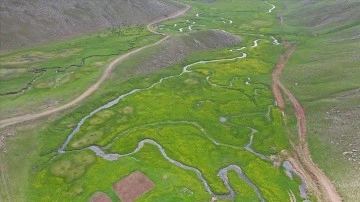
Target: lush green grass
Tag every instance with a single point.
(163, 114)
(187, 98)
(62, 82)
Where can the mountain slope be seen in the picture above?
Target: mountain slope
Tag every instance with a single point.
(324, 75)
(25, 23)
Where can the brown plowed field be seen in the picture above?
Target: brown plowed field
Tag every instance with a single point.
(133, 186)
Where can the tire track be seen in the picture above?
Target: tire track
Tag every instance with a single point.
(302, 163)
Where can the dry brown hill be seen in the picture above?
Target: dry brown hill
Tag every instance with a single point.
(25, 23)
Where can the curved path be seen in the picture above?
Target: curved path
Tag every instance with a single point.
(27, 117)
(303, 163)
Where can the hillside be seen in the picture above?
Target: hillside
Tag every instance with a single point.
(175, 50)
(324, 74)
(209, 100)
(25, 23)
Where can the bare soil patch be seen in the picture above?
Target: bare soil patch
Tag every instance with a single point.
(100, 197)
(133, 186)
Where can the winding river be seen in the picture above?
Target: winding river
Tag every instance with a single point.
(222, 173)
(248, 146)
(114, 102)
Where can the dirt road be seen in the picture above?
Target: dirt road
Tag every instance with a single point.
(303, 164)
(28, 117)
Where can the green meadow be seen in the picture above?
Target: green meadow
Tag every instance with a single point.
(203, 118)
(63, 70)
(323, 74)
(183, 115)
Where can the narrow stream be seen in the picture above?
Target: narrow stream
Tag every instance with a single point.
(275, 41)
(272, 8)
(222, 173)
(248, 146)
(57, 69)
(113, 102)
(255, 43)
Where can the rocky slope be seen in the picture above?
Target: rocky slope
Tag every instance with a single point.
(25, 23)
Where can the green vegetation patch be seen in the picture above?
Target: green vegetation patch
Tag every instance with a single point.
(72, 167)
(203, 118)
(56, 73)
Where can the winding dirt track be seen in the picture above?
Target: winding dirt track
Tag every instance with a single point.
(28, 117)
(302, 163)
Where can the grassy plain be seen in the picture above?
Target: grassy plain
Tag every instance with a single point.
(63, 70)
(183, 105)
(173, 113)
(324, 75)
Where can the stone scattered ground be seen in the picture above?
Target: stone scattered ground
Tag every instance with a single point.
(133, 186)
(344, 127)
(3, 135)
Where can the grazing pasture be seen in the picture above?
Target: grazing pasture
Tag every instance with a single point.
(202, 125)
